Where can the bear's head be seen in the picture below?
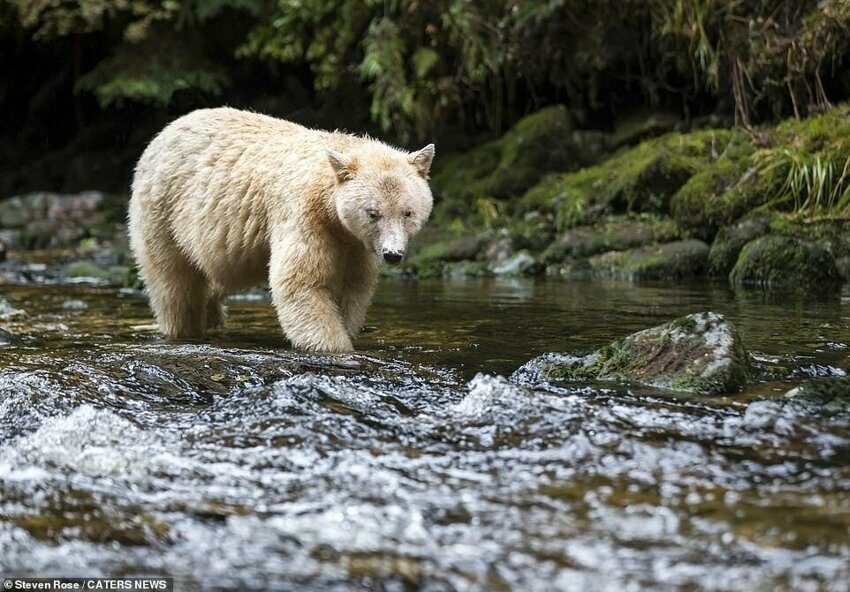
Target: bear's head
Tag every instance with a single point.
(382, 196)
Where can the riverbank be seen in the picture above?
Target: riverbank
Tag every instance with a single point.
(767, 208)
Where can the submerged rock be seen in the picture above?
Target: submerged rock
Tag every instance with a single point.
(831, 395)
(7, 311)
(699, 353)
(91, 271)
(7, 338)
(776, 260)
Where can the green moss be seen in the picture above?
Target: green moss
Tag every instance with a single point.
(114, 274)
(777, 260)
(809, 160)
(718, 196)
(453, 249)
(615, 233)
(667, 261)
(538, 144)
(641, 179)
(829, 395)
(832, 234)
(700, 353)
(730, 240)
(533, 231)
(574, 198)
(461, 179)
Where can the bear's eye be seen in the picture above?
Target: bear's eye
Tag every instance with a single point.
(408, 213)
(373, 214)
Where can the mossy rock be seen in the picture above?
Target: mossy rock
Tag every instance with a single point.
(573, 199)
(700, 353)
(454, 249)
(784, 261)
(802, 166)
(460, 180)
(88, 270)
(465, 269)
(533, 231)
(827, 133)
(826, 395)
(831, 234)
(720, 195)
(731, 239)
(643, 124)
(540, 143)
(615, 233)
(676, 260)
(445, 256)
(641, 179)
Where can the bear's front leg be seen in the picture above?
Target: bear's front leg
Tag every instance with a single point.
(306, 309)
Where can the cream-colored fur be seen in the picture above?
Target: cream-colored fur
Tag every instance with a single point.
(224, 199)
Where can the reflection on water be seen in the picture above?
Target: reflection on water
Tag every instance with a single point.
(239, 464)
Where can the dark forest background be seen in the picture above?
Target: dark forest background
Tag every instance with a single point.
(86, 83)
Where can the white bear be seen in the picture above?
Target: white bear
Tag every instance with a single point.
(223, 199)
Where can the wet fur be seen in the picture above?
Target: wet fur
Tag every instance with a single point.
(224, 199)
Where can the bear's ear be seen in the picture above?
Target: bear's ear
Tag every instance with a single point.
(343, 166)
(422, 160)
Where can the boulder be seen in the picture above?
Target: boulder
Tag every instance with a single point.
(540, 143)
(784, 261)
(676, 260)
(699, 353)
(828, 395)
(614, 233)
(730, 240)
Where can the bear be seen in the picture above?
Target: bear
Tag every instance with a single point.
(223, 199)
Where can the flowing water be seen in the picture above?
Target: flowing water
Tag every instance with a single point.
(414, 464)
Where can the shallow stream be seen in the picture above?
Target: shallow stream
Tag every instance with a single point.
(415, 464)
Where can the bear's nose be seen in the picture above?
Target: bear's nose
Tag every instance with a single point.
(393, 256)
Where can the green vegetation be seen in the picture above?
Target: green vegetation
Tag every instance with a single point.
(669, 261)
(776, 260)
(640, 179)
(612, 137)
(412, 67)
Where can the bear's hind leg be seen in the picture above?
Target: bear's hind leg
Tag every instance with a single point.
(178, 297)
(216, 312)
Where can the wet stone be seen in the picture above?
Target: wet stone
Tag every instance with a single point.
(699, 353)
(7, 311)
(521, 263)
(829, 395)
(7, 338)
